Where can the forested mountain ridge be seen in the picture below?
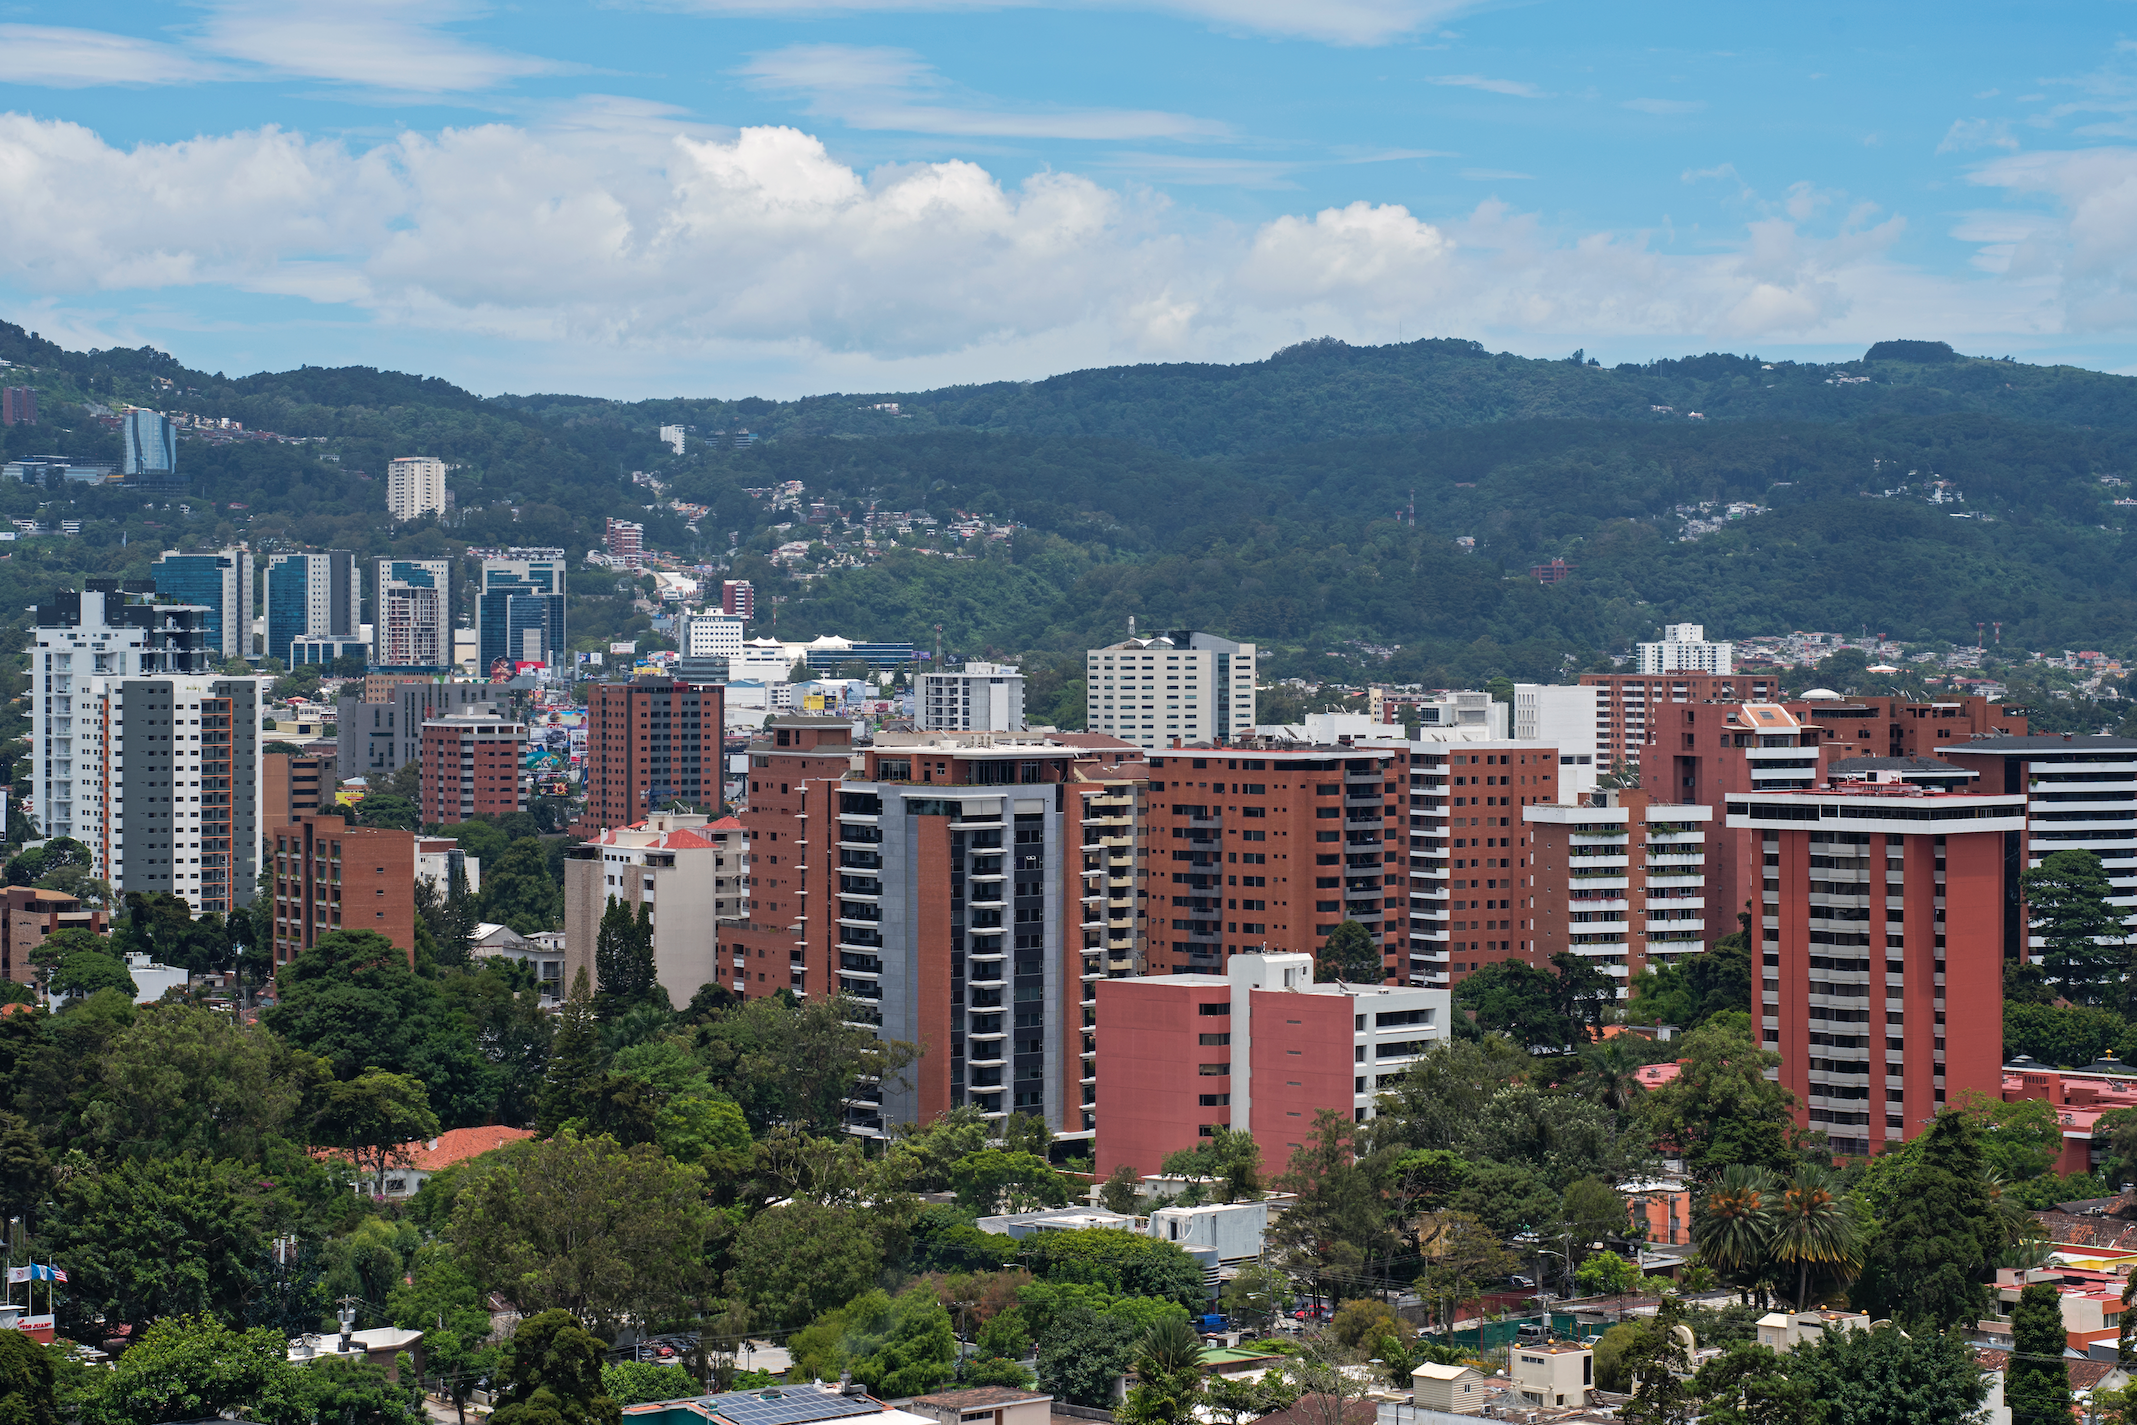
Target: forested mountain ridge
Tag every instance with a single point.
(1271, 500)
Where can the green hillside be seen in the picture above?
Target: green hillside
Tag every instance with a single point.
(1268, 500)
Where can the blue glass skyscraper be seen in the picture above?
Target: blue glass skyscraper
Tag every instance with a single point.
(151, 448)
(521, 594)
(222, 582)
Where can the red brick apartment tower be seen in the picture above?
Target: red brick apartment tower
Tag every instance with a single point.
(1626, 722)
(471, 768)
(329, 876)
(1881, 943)
(1471, 858)
(1620, 881)
(790, 825)
(1255, 848)
(650, 743)
(1897, 727)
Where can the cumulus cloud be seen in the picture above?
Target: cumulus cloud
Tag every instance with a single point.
(621, 228)
(2086, 243)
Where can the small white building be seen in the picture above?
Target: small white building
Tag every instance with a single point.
(1552, 1373)
(150, 978)
(761, 659)
(1234, 1229)
(1784, 1331)
(1054, 1219)
(436, 858)
(985, 1405)
(1458, 1390)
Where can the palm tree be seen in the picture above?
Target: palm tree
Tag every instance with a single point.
(1170, 1345)
(1814, 1224)
(1733, 1220)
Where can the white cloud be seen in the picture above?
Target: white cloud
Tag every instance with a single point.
(392, 45)
(619, 229)
(2087, 246)
(1664, 106)
(1977, 133)
(881, 88)
(1340, 22)
(1519, 88)
(74, 59)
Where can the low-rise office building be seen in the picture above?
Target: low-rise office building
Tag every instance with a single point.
(1261, 1048)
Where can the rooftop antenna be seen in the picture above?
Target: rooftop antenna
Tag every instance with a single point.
(938, 645)
(1131, 628)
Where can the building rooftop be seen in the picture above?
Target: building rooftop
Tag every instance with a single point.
(2036, 742)
(978, 1396)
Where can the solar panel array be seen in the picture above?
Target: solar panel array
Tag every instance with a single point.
(788, 1407)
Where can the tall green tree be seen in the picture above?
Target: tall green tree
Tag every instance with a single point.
(2036, 1385)
(375, 1115)
(623, 958)
(796, 1062)
(576, 1058)
(2082, 951)
(1936, 1249)
(353, 1000)
(581, 1224)
(1732, 1220)
(157, 1237)
(1337, 1226)
(1350, 955)
(186, 1367)
(1890, 1377)
(519, 891)
(26, 1387)
(552, 1375)
(1721, 1108)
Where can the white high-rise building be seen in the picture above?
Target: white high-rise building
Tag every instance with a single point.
(411, 615)
(709, 635)
(1684, 649)
(1196, 687)
(980, 697)
(139, 752)
(672, 437)
(415, 486)
(1574, 717)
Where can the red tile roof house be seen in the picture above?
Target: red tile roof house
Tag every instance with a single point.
(413, 1163)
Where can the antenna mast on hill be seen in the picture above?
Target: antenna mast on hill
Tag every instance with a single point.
(1979, 636)
(1999, 634)
(1413, 507)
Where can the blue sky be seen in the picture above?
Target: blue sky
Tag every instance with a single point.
(780, 196)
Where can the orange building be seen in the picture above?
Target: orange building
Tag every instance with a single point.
(650, 744)
(1471, 864)
(293, 784)
(470, 763)
(1881, 1012)
(28, 916)
(1270, 849)
(329, 876)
